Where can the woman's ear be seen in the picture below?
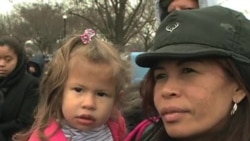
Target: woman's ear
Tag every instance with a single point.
(239, 95)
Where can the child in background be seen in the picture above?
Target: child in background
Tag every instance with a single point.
(81, 94)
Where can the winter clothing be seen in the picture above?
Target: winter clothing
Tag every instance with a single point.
(37, 62)
(161, 9)
(139, 130)
(175, 38)
(19, 96)
(117, 128)
(17, 109)
(99, 133)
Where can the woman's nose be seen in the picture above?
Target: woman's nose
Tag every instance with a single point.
(171, 88)
(2, 62)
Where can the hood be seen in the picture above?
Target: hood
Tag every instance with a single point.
(38, 60)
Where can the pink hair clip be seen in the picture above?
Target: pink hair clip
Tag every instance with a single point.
(87, 36)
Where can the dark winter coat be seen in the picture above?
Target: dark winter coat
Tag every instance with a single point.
(18, 99)
(16, 111)
(161, 9)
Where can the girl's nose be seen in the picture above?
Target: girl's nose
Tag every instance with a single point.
(89, 101)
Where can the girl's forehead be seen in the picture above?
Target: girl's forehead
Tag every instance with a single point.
(81, 60)
(89, 64)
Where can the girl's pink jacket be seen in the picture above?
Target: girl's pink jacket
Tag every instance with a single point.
(117, 128)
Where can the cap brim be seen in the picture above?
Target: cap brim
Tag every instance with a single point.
(149, 59)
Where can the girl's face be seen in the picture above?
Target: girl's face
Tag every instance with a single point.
(89, 94)
(8, 60)
(194, 97)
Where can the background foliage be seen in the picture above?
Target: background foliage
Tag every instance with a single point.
(129, 25)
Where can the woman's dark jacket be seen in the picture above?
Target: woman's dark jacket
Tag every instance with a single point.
(18, 99)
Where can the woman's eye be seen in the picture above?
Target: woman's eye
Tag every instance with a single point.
(188, 70)
(188, 8)
(8, 59)
(159, 76)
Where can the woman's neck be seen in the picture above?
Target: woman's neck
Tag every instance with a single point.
(214, 136)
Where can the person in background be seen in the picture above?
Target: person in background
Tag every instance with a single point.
(18, 90)
(198, 85)
(35, 65)
(133, 109)
(81, 93)
(164, 7)
(29, 54)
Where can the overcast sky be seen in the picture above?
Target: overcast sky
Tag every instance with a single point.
(6, 5)
(240, 5)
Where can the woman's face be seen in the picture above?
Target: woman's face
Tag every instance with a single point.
(8, 60)
(194, 97)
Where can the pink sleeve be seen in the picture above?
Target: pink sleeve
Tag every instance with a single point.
(34, 136)
(53, 132)
(118, 128)
(140, 129)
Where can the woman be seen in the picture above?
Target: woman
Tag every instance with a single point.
(18, 90)
(197, 88)
(164, 7)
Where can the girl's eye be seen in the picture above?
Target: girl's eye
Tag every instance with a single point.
(101, 94)
(188, 70)
(78, 89)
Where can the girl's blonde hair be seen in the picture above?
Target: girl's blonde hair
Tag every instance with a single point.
(52, 83)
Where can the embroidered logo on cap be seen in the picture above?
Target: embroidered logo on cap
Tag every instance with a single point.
(171, 28)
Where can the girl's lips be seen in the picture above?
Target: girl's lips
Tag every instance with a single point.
(85, 119)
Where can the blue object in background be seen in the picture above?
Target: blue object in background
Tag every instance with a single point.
(138, 72)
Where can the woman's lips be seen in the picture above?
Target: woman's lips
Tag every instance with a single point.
(172, 114)
(3, 71)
